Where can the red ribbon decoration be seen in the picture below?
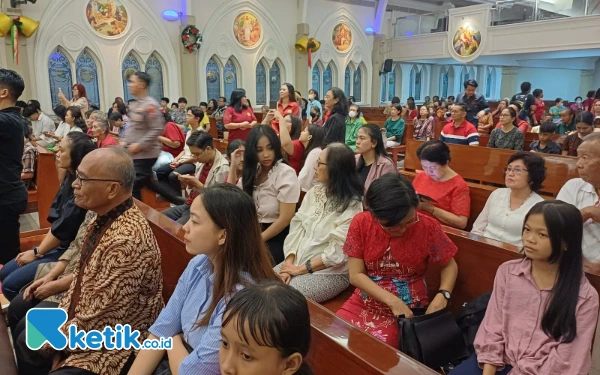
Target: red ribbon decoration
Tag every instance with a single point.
(309, 47)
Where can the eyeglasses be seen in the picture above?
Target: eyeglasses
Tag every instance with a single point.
(400, 225)
(504, 115)
(82, 180)
(516, 171)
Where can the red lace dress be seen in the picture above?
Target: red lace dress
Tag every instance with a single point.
(396, 264)
(451, 196)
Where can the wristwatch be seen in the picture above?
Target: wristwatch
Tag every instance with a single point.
(36, 253)
(445, 293)
(308, 266)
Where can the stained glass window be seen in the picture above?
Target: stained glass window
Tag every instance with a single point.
(59, 70)
(347, 81)
(87, 75)
(274, 81)
(213, 79)
(391, 76)
(411, 87)
(444, 92)
(490, 79)
(130, 66)
(327, 80)
(261, 84)
(357, 93)
(418, 85)
(464, 75)
(230, 77)
(383, 80)
(155, 70)
(316, 78)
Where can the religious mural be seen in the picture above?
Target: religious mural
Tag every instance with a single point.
(247, 30)
(342, 37)
(466, 40)
(107, 17)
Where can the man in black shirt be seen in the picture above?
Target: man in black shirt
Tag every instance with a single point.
(474, 101)
(13, 194)
(525, 98)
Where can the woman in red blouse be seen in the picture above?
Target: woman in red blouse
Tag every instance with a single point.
(286, 105)
(451, 202)
(238, 118)
(99, 131)
(389, 248)
(290, 140)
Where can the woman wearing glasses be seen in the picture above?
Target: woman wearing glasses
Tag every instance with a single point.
(508, 136)
(503, 214)
(389, 248)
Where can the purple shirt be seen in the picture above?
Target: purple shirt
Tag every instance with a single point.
(511, 332)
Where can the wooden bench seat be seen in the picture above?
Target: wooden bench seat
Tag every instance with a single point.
(47, 186)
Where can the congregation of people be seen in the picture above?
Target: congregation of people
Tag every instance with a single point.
(304, 203)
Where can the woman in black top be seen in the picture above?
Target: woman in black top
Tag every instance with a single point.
(335, 120)
(65, 217)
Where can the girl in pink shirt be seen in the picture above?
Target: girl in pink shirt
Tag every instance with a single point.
(542, 313)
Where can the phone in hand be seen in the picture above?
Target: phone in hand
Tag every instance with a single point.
(423, 197)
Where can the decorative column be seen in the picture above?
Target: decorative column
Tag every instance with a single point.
(509, 81)
(302, 75)
(190, 72)
(378, 58)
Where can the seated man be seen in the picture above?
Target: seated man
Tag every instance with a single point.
(460, 131)
(41, 125)
(583, 193)
(29, 157)
(212, 168)
(118, 279)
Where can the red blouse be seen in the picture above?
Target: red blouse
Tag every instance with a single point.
(108, 141)
(175, 134)
(452, 195)
(231, 116)
(295, 160)
(413, 114)
(291, 109)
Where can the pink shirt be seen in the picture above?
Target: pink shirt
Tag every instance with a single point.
(281, 186)
(511, 331)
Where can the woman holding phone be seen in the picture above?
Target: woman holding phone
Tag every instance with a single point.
(79, 98)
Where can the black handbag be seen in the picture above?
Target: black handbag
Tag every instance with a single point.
(433, 339)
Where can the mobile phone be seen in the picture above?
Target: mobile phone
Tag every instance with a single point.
(423, 197)
(272, 105)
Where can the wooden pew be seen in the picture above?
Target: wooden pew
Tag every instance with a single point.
(529, 139)
(47, 184)
(483, 169)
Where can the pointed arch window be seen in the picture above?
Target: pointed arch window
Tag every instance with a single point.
(130, 66)
(411, 87)
(357, 89)
(327, 80)
(418, 81)
(316, 78)
(230, 77)
(59, 71)
(391, 76)
(490, 80)
(464, 75)
(213, 79)
(347, 81)
(274, 81)
(87, 74)
(155, 69)
(384, 80)
(261, 83)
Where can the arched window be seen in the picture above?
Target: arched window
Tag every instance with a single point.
(316, 78)
(87, 75)
(411, 87)
(357, 92)
(230, 77)
(391, 81)
(274, 81)
(384, 80)
(130, 66)
(444, 83)
(327, 80)
(418, 78)
(261, 83)
(213, 79)
(464, 75)
(155, 70)
(59, 70)
(347, 84)
(490, 80)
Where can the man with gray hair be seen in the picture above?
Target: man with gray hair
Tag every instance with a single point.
(118, 280)
(583, 193)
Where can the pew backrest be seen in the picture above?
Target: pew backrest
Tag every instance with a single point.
(47, 184)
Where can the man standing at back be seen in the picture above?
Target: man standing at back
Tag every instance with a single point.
(474, 101)
(141, 137)
(13, 194)
(525, 99)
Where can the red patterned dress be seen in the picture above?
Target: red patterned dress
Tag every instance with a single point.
(396, 264)
(451, 195)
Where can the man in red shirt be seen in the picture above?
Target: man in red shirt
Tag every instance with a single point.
(460, 131)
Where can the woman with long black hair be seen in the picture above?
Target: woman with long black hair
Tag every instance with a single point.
(312, 138)
(238, 118)
(335, 119)
(542, 314)
(271, 182)
(286, 105)
(372, 160)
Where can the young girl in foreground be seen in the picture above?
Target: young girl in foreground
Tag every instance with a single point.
(224, 234)
(266, 331)
(542, 314)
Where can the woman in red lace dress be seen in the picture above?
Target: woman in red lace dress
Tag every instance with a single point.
(451, 203)
(389, 248)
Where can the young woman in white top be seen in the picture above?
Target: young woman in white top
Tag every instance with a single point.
(503, 214)
(271, 182)
(313, 139)
(315, 263)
